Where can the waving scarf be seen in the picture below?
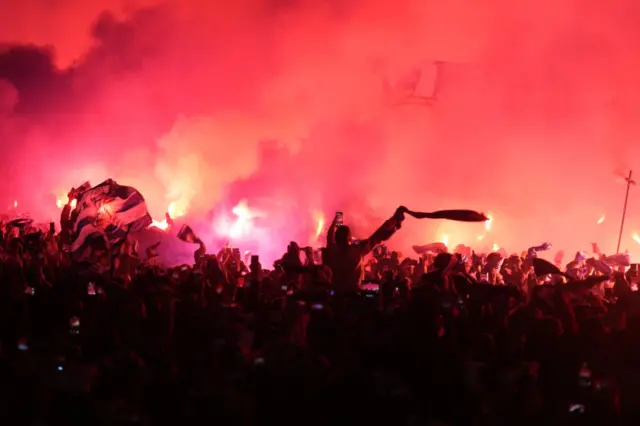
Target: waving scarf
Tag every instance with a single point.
(457, 215)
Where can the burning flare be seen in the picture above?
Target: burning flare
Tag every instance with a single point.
(172, 211)
(318, 217)
(175, 211)
(240, 227)
(445, 240)
(63, 200)
(601, 220)
(488, 222)
(636, 238)
(160, 224)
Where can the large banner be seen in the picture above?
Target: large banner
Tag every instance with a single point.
(111, 211)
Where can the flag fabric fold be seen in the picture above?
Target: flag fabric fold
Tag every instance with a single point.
(21, 222)
(187, 235)
(533, 251)
(430, 248)
(621, 259)
(541, 267)
(110, 211)
(457, 215)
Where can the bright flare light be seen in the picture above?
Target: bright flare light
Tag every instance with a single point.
(160, 224)
(15, 204)
(104, 210)
(175, 211)
(495, 247)
(318, 217)
(488, 222)
(240, 227)
(163, 224)
(445, 240)
(636, 238)
(601, 220)
(63, 200)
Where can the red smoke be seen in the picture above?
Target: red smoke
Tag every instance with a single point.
(282, 103)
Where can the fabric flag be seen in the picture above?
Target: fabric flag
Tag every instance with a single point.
(596, 249)
(558, 258)
(110, 211)
(599, 266)
(20, 223)
(187, 235)
(621, 259)
(542, 267)
(457, 215)
(77, 192)
(430, 248)
(407, 84)
(417, 85)
(533, 251)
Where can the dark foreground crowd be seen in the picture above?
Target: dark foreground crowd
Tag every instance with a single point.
(438, 340)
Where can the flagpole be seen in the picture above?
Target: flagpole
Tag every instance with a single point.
(624, 209)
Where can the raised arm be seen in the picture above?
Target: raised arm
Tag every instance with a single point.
(200, 252)
(386, 231)
(331, 232)
(67, 218)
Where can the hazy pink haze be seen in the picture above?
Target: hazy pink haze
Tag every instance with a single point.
(281, 102)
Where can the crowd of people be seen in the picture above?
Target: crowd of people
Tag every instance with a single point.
(361, 336)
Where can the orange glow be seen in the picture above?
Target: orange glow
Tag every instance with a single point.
(62, 201)
(313, 127)
(445, 240)
(160, 224)
(601, 220)
(242, 225)
(174, 211)
(495, 247)
(104, 210)
(480, 237)
(636, 238)
(163, 224)
(489, 222)
(319, 219)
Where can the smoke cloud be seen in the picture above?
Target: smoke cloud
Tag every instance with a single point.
(286, 103)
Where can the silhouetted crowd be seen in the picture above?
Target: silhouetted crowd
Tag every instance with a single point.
(361, 336)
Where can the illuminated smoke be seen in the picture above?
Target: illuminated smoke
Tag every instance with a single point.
(488, 223)
(241, 226)
(289, 107)
(319, 220)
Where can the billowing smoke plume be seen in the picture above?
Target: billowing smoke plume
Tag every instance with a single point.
(291, 104)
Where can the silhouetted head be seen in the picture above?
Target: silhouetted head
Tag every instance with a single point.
(444, 261)
(293, 248)
(343, 235)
